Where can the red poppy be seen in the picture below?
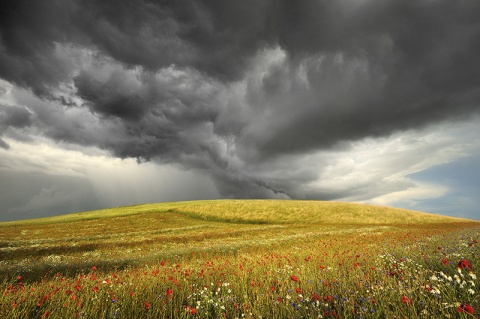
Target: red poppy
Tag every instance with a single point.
(46, 314)
(328, 298)
(169, 292)
(463, 263)
(193, 311)
(298, 291)
(445, 261)
(94, 268)
(315, 297)
(146, 304)
(406, 300)
(95, 289)
(294, 278)
(465, 308)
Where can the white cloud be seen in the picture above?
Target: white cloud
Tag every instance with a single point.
(44, 156)
(378, 169)
(410, 196)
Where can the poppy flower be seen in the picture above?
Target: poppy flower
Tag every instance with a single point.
(463, 263)
(406, 300)
(193, 311)
(445, 261)
(465, 308)
(146, 304)
(315, 297)
(294, 278)
(169, 292)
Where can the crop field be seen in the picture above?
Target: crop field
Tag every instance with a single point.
(241, 259)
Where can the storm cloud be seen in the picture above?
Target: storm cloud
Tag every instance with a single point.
(256, 95)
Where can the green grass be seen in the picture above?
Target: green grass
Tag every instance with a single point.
(237, 257)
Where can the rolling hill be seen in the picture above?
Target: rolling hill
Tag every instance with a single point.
(239, 259)
(121, 236)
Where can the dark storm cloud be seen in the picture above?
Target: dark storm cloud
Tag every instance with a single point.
(15, 117)
(371, 69)
(185, 82)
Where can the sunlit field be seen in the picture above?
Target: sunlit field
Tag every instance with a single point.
(241, 259)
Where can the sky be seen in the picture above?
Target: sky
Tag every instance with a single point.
(120, 102)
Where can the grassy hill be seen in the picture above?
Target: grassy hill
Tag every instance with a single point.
(261, 212)
(122, 236)
(124, 260)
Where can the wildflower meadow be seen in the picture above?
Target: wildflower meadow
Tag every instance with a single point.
(241, 259)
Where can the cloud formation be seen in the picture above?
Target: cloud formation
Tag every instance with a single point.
(246, 92)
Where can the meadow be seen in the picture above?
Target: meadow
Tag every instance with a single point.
(241, 259)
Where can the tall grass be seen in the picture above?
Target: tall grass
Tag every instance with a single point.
(240, 259)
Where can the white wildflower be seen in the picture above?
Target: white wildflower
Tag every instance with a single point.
(471, 291)
(435, 291)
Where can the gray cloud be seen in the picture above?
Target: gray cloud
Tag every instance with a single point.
(228, 88)
(22, 193)
(12, 117)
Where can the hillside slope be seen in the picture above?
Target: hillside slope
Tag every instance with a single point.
(263, 212)
(125, 236)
